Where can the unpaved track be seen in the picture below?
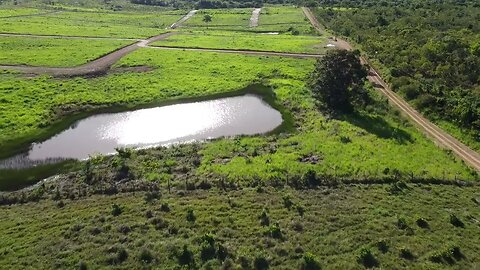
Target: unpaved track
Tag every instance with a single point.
(246, 52)
(254, 18)
(441, 137)
(183, 19)
(98, 66)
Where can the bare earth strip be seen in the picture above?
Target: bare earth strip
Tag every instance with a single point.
(183, 19)
(247, 52)
(438, 135)
(98, 66)
(254, 18)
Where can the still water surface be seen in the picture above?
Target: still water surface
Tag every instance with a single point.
(242, 115)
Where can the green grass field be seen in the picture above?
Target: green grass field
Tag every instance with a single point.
(284, 19)
(54, 52)
(245, 41)
(410, 230)
(234, 19)
(96, 24)
(17, 12)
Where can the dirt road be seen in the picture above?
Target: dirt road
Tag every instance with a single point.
(255, 16)
(98, 66)
(441, 137)
(183, 19)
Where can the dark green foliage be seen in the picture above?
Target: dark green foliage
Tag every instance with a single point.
(422, 223)
(383, 246)
(456, 221)
(146, 256)
(191, 216)
(430, 50)
(165, 207)
(287, 201)
(310, 262)
(366, 258)
(82, 265)
(264, 219)
(406, 254)
(310, 178)
(116, 210)
(186, 256)
(448, 255)
(152, 196)
(261, 263)
(402, 223)
(337, 80)
(274, 231)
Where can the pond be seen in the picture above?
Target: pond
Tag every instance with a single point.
(180, 123)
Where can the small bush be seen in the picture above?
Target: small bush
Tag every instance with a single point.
(159, 223)
(456, 221)
(287, 201)
(310, 178)
(383, 246)
(151, 196)
(300, 210)
(122, 255)
(191, 216)
(402, 223)
(207, 251)
(186, 256)
(406, 254)
(222, 252)
(145, 256)
(448, 255)
(260, 263)
(165, 207)
(310, 262)
(82, 265)
(264, 219)
(116, 210)
(366, 258)
(125, 229)
(422, 223)
(149, 214)
(274, 231)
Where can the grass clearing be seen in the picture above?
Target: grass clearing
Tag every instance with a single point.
(336, 224)
(246, 41)
(54, 52)
(238, 18)
(95, 24)
(284, 19)
(17, 12)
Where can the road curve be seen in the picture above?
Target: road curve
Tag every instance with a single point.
(98, 66)
(246, 52)
(441, 137)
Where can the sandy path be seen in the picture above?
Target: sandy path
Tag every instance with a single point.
(254, 18)
(183, 19)
(246, 52)
(441, 137)
(98, 66)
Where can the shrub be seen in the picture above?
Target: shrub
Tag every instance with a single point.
(260, 263)
(310, 178)
(222, 252)
(300, 210)
(448, 255)
(422, 223)
(366, 258)
(264, 219)
(149, 214)
(122, 254)
(274, 231)
(82, 265)
(151, 196)
(159, 223)
(310, 262)
(186, 256)
(456, 221)
(191, 216)
(383, 246)
(402, 223)
(116, 210)
(406, 254)
(165, 207)
(145, 256)
(207, 251)
(287, 201)
(124, 229)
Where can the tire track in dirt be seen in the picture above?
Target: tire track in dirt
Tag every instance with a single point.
(255, 16)
(183, 19)
(438, 135)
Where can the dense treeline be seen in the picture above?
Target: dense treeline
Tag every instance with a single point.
(431, 52)
(208, 4)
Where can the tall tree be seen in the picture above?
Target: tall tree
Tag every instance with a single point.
(338, 80)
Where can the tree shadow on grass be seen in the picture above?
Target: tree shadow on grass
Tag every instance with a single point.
(378, 126)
